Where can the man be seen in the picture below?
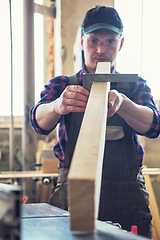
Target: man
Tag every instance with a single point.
(131, 110)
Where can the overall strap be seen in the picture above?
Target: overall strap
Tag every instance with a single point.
(59, 196)
(125, 88)
(73, 80)
(75, 124)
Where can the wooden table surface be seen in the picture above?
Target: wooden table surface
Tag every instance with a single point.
(45, 222)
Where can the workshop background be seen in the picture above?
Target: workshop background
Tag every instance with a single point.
(51, 47)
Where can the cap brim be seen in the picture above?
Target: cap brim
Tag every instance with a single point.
(97, 26)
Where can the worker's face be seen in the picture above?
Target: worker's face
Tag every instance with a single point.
(100, 46)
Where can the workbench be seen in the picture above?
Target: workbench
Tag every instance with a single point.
(43, 221)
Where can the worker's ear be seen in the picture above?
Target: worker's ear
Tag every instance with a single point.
(82, 43)
(121, 44)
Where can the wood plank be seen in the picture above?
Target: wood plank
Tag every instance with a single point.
(40, 174)
(20, 172)
(84, 179)
(49, 161)
(151, 171)
(154, 207)
(26, 174)
(50, 165)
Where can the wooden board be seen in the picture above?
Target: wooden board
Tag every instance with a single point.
(26, 174)
(50, 165)
(49, 161)
(153, 205)
(84, 179)
(151, 171)
(30, 174)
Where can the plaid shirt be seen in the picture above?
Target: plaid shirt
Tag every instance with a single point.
(139, 93)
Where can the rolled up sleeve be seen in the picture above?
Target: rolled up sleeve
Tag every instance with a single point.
(51, 92)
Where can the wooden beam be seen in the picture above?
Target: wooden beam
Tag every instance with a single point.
(84, 178)
(46, 11)
(151, 171)
(154, 207)
(153, 201)
(26, 174)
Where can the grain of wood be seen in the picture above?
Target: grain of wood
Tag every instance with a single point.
(84, 179)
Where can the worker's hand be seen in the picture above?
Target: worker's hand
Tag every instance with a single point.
(73, 99)
(115, 100)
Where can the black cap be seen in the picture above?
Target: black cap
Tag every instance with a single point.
(102, 17)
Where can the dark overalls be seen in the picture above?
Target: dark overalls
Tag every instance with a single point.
(123, 197)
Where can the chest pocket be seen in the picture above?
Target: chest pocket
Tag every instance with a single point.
(114, 133)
